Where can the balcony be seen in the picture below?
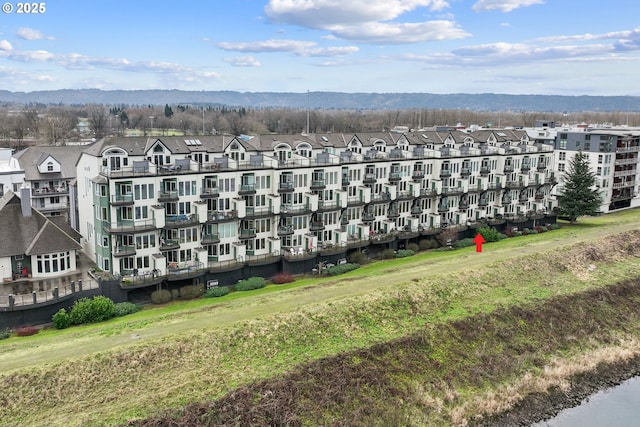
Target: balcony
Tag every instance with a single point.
(286, 187)
(465, 171)
(483, 203)
(369, 178)
(382, 238)
(124, 250)
(169, 244)
(445, 173)
(443, 208)
(381, 197)
(394, 177)
(355, 201)
(551, 180)
(405, 195)
(328, 205)
(428, 231)
(417, 175)
(393, 213)
(495, 186)
(523, 199)
(209, 192)
(180, 220)
(463, 205)
(253, 211)
(416, 210)
(346, 181)
(541, 167)
(316, 226)
(508, 169)
(448, 191)
(514, 184)
(484, 170)
(210, 238)
(425, 192)
(290, 210)
(506, 199)
(122, 200)
(625, 172)
(221, 216)
(318, 184)
(247, 189)
(285, 230)
(129, 226)
(539, 196)
(525, 167)
(368, 216)
(247, 233)
(168, 196)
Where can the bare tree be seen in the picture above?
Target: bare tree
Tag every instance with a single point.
(98, 120)
(59, 125)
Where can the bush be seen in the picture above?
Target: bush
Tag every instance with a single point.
(124, 308)
(404, 253)
(191, 291)
(426, 244)
(61, 320)
(359, 258)
(490, 234)
(388, 254)
(218, 291)
(340, 269)
(250, 284)
(517, 234)
(27, 330)
(413, 247)
(175, 294)
(554, 226)
(464, 243)
(96, 309)
(526, 231)
(281, 278)
(162, 296)
(448, 236)
(4, 334)
(533, 231)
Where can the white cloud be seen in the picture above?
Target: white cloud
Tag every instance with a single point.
(243, 61)
(297, 47)
(367, 21)
(503, 5)
(31, 34)
(5, 45)
(396, 33)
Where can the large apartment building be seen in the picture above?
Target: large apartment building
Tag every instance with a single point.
(164, 204)
(613, 157)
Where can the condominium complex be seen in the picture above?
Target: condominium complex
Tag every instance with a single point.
(162, 205)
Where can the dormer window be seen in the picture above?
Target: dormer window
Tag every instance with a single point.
(304, 150)
(49, 166)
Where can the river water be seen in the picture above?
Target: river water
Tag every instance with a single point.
(618, 406)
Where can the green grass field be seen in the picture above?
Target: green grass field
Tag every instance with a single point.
(168, 356)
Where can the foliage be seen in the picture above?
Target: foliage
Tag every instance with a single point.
(403, 253)
(426, 244)
(464, 243)
(250, 284)
(490, 234)
(447, 237)
(124, 308)
(175, 294)
(92, 310)
(61, 320)
(161, 296)
(4, 334)
(359, 258)
(388, 254)
(215, 292)
(191, 291)
(579, 196)
(340, 269)
(26, 331)
(413, 247)
(281, 278)
(554, 226)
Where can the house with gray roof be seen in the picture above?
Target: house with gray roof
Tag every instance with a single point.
(32, 244)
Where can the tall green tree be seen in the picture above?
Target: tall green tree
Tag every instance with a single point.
(580, 195)
(168, 112)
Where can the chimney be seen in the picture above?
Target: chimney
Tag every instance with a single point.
(25, 201)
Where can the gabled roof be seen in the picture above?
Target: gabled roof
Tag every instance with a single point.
(43, 157)
(31, 157)
(32, 235)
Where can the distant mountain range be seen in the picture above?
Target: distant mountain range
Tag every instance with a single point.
(329, 100)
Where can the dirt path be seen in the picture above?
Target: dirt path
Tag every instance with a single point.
(95, 340)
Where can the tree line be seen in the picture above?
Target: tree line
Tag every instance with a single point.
(56, 124)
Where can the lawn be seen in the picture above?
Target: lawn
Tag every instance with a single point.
(167, 356)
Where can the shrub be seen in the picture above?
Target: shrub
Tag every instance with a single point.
(490, 234)
(61, 320)
(404, 253)
(250, 284)
(218, 291)
(124, 308)
(27, 330)
(359, 258)
(162, 296)
(426, 244)
(96, 309)
(554, 226)
(533, 232)
(464, 243)
(191, 291)
(4, 334)
(526, 231)
(340, 269)
(448, 236)
(281, 278)
(413, 247)
(388, 254)
(175, 294)
(517, 234)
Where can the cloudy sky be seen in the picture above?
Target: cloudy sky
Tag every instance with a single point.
(565, 47)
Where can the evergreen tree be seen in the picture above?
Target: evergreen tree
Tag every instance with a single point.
(580, 196)
(168, 112)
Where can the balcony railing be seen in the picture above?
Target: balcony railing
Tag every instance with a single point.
(526, 167)
(508, 169)
(122, 199)
(417, 175)
(368, 216)
(317, 184)
(247, 189)
(167, 196)
(541, 166)
(394, 177)
(328, 205)
(465, 172)
(316, 226)
(221, 216)
(129, 226)
(180, 220)
(285, 230)
(210, 238)
(169, 244)
(286, 187)
(247, 233)
(393, 213)
(445, 173)
(209, 192)
(259, 211)
(124, 250)
(452, 190)
(426, 192)
(483, 203)
(294, 209)
(369, 178)
(484, 170)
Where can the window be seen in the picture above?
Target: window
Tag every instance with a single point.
(561, 167)
(599, 158)
(563, 145)
(50, 167)
(599, 171)
(562, 156)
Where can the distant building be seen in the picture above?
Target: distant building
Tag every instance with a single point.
(11, 175)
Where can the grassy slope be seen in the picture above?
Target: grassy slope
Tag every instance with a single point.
(172, 355)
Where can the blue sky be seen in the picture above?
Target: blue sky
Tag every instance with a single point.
(564, 47)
